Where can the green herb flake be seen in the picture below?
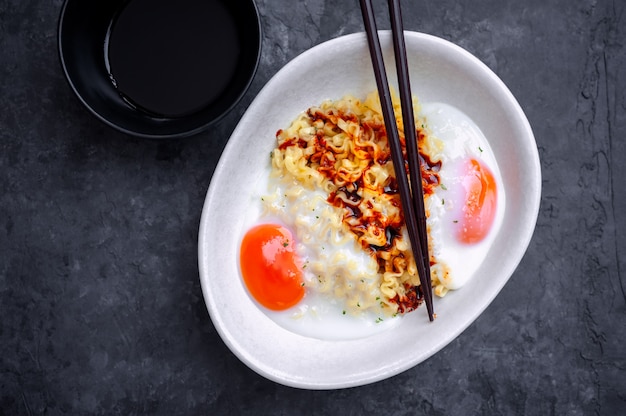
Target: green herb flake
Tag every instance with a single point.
(444, 187)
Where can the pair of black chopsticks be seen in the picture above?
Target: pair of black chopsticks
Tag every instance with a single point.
(412, 198)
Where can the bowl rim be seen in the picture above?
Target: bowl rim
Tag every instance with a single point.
(61, 53)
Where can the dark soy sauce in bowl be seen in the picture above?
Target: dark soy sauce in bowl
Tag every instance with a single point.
(159, 68)
(172, 58)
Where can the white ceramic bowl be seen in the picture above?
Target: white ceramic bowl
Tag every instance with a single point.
(440, 72)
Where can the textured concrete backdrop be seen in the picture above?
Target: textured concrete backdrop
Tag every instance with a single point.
(100, 301)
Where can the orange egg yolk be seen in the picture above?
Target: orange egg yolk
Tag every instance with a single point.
(479, 210)
(271, 269)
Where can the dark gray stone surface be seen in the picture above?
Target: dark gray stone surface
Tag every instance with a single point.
(100, 301)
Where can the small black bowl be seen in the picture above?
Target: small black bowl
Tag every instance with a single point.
(159, 68)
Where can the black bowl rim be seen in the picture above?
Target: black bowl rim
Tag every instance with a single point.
(181, 134)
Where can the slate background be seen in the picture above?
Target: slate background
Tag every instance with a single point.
(100, 302)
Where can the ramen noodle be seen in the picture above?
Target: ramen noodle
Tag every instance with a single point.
(334, 160)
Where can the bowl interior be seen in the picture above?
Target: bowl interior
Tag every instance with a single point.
(83, 36)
